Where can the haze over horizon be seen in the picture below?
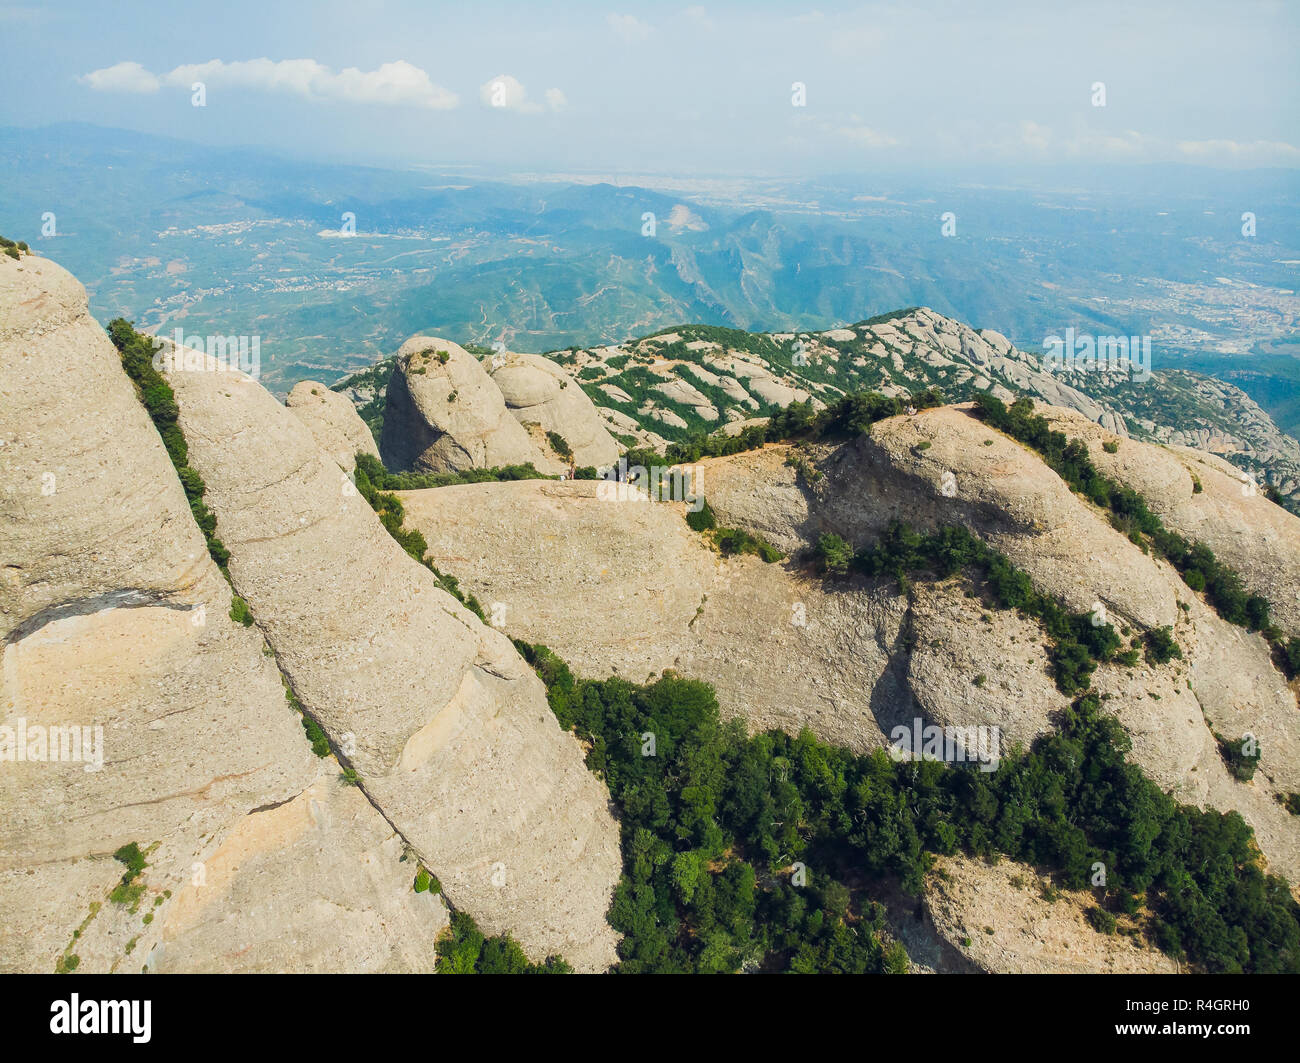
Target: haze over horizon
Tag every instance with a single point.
(689, 91)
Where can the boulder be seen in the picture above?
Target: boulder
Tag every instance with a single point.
(333, 421)
(444, 414)
(538, 391)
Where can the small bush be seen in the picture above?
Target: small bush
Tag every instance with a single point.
(127, 894)
(732, 541)
(1240, 755)
(1161, 647)
(1102, 920)
(895, 959)
(1111, 446)
(1291, 657)
(560, 445)
(834, 556)
(134, 860)
(320, 743)
(239, 611)
(462, 949)
(701, 519)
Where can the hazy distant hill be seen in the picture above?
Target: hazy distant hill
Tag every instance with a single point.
(177, 235)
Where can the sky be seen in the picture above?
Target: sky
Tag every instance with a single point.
(757, 88)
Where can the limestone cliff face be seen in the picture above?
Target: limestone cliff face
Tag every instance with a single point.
(537, 391)
(333, 421)
(444, 414)
(945, 466)
(854, 660)
(1204, 498)
(281, 893)
(997, 917)
(566, 564)
(447, 726)
(112, 616)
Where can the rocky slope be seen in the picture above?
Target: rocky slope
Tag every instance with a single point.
(695, 378)
(854, 660)
(1005, 918)
(1205, 499)
(280, 893)
(112, 616)
(446, 725)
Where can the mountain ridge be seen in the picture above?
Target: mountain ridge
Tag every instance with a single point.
(677, 382)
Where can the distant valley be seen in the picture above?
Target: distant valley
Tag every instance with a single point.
(539, 265)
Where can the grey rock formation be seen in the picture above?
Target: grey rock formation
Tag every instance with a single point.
(333, 421)
(854, 661)
(444, 414)
(112, 616)
(447, 726)
(537, 391)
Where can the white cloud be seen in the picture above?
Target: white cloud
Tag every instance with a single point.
(865, 135)
(507, 93)
(393, 84)
(1131, 143)
(630, 28)
(121, 77)
(699, 17)
(1260, 152)
(1036, 136)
